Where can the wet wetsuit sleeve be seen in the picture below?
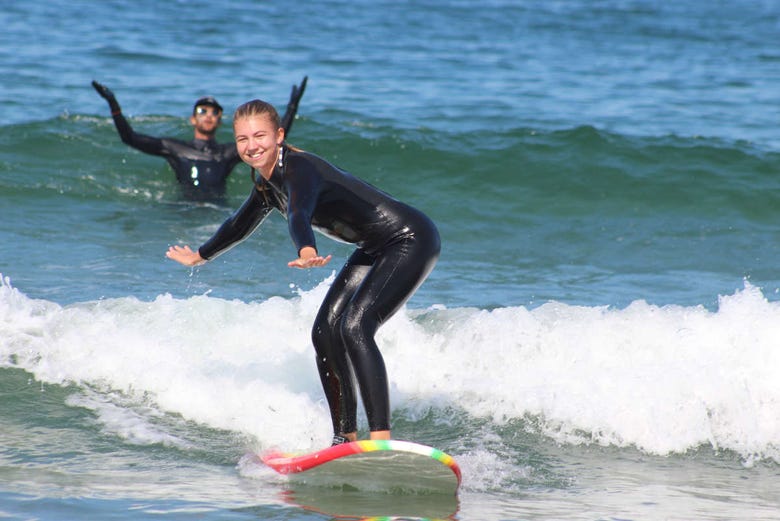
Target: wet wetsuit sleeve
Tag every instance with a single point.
(142, 142)
(148, 144)
(292, 105)
(238, 226)
(303, 185)
(231, 156)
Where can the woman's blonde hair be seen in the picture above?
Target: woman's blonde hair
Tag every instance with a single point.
(257, 107)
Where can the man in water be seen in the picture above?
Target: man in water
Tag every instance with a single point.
(201, 165)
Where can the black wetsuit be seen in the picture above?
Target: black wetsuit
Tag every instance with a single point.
(201, 165)
(397, 248)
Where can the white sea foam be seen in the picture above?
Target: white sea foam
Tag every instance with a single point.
(663, 379)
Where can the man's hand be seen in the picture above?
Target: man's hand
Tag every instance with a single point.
(104, 91)
(107, 95)
(292, 105)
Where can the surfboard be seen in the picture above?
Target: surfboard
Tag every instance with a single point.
(356, 505)
(390, 466)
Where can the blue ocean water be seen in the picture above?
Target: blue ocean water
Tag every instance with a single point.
(599, 338)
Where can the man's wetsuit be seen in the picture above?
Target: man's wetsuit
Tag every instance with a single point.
(397, 248)
(201, 165)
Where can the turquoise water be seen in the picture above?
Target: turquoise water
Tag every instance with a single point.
(598, 341)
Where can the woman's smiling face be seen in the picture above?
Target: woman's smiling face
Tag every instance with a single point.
(258, 141)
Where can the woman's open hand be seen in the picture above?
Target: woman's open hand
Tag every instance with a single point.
(184, 255)
(309, 258)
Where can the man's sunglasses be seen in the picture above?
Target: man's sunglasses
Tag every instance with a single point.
(202, 111)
